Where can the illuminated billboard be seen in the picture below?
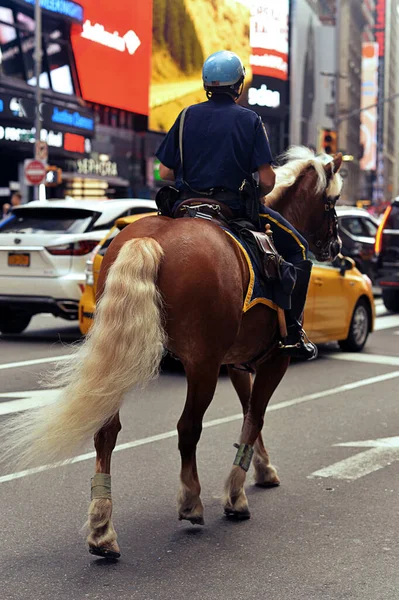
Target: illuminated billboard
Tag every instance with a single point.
(269, 38)
(185, 32)
(113, 53)
(369, 97)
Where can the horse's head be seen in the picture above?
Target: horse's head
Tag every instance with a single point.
(306, 192)
(321, 229)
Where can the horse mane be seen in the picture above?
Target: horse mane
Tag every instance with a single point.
(296, 159)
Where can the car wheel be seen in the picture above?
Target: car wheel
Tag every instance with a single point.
(13, 322)
(390, 299)
(359, 328)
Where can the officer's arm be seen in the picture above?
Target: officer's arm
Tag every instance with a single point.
(166, 173)
(267, 178)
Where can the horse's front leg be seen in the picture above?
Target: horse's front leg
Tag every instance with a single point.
(265, 474)
(201, 384)
(102, 535)
(267, 379)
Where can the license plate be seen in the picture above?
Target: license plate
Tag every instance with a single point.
(18, 259)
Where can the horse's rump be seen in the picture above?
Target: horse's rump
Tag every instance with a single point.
(203, 280)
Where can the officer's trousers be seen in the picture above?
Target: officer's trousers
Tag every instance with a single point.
(288, 241)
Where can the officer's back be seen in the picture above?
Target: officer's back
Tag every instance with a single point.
(223, 143)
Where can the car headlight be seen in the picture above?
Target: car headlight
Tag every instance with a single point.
(367, 280)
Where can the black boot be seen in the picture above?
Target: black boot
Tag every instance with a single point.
(297, 344)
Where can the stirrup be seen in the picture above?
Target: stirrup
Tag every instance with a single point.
(303, 348)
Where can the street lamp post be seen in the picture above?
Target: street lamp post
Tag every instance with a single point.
(38, 91)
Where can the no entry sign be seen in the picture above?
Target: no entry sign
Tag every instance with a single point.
(34, 171)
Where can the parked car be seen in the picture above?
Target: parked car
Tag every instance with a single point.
(387, 256)
(43, 252)
(358, 229)
(340, 304)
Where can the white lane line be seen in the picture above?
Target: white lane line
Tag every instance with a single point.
(37, 361)
(386, 322)
(375, 359)
(380, 310)
(27, 400)
(214, 423)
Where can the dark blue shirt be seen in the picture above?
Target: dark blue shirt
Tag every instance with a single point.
(223, 144)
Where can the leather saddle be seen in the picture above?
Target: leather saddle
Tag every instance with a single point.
(261, 244)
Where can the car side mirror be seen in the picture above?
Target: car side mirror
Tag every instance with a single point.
(344, 264)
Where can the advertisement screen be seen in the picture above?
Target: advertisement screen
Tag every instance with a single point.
(369, 96)
(269, 38)
(256, 30)
(113, 53)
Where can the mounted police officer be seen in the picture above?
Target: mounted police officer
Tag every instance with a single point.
(224, 144)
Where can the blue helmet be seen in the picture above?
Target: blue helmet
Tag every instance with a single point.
(223, 69)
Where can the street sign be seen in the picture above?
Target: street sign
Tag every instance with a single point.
(34, 171)
(41, 151)
(382, 453)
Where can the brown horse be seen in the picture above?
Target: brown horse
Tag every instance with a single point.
(180, 284)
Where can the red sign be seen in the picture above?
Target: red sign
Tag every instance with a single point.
(379, 28)
(113, 53)
(34, 171)
(74, 143)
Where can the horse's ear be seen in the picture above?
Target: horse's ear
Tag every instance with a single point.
(337, 162)
(334, 165)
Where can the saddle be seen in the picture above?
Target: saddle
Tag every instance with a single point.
(261, 244)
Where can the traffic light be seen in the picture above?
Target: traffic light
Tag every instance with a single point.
(329, 142)
(53, 176)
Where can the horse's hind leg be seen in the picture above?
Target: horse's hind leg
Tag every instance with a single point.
(265, 474)
(267, 379)
(201, 384)
(102, 535)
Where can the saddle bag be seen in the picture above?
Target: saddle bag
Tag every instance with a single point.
(269, 255)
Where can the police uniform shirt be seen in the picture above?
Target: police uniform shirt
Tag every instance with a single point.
(223, 144)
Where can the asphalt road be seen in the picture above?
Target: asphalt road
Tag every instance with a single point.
(328, 532)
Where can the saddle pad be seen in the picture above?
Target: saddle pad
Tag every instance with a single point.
(258, 292)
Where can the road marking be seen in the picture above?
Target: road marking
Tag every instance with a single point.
(382, 453)
(375, 359)
(380, 310)
(386, 322)
(27, 400)
(36, 361)
(214, 423)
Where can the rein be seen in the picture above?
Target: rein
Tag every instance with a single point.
(332, 220)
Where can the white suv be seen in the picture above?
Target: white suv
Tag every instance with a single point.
(43, 251)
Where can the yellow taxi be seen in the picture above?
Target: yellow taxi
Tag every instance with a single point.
(339, 306)
(87, 303)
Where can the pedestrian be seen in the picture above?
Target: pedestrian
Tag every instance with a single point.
(16, 200)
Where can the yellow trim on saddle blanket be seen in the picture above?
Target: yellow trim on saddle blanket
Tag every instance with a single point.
(247, 302)
(302, 247)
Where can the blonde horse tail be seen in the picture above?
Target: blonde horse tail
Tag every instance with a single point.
(123, 349)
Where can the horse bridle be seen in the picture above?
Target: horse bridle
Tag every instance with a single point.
(332, 224)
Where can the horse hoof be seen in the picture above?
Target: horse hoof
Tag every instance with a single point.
(237, 515)
(104, 552)
(194, 520)
(267, 484)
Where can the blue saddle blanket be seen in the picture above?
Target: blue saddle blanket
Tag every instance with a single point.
(272, 293)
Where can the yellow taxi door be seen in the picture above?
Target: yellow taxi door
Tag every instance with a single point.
(331, 303)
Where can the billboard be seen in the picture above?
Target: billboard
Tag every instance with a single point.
(369, 96)
(113, 52)
(268, 38)
(257, 30)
